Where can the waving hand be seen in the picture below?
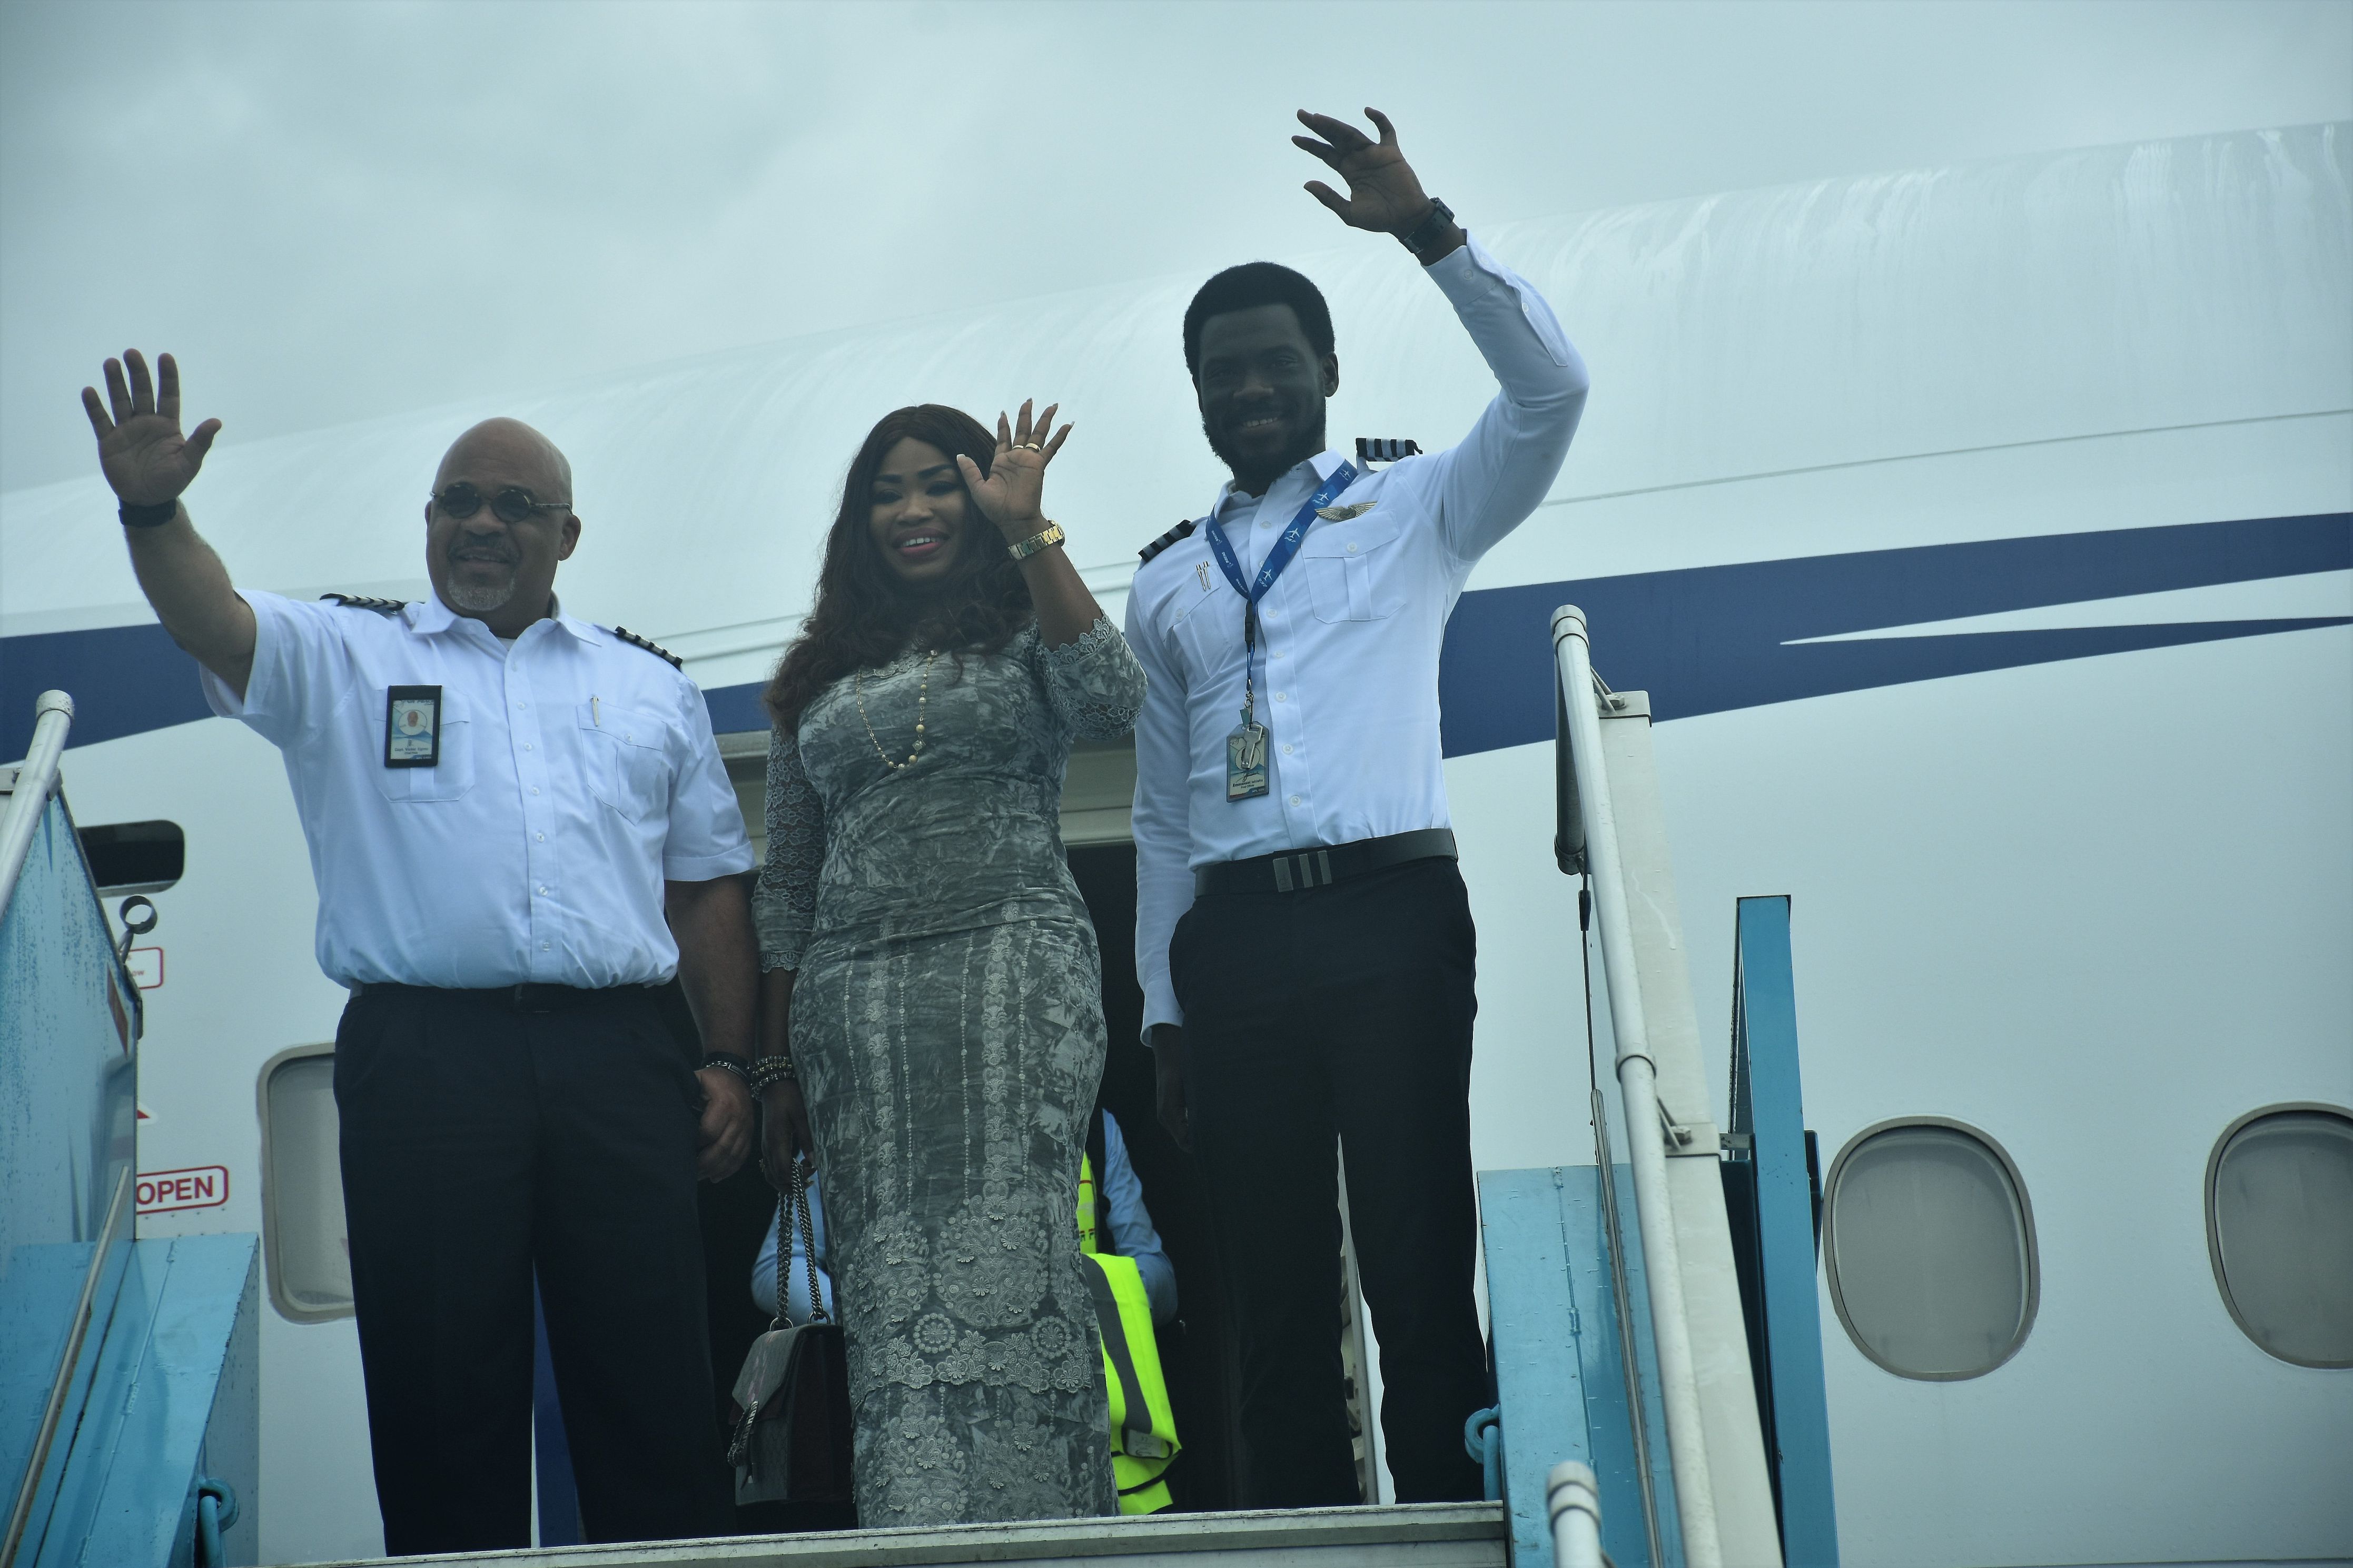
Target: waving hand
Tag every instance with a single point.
(1010, 496)
(144, 456)
(1384, 195)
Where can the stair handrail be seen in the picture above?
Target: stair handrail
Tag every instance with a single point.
(36, 780)
(1638, 1091)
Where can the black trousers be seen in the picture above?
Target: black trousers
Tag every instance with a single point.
(479, 1146)
(1340, 1010)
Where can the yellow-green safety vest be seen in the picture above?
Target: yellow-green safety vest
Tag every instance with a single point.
(1143, 1427)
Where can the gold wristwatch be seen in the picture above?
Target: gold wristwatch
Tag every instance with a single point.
(1051, 534)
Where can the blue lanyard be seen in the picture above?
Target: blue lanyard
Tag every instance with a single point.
(1276, 560)
(1285, 548)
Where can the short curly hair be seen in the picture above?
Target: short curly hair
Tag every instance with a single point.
(1246, 288)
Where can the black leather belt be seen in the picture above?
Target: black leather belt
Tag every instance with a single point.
(1321, 865)
(531, 997)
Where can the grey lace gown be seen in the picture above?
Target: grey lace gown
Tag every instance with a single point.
(947, 1020)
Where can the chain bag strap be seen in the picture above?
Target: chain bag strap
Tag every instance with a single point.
(793, 1220)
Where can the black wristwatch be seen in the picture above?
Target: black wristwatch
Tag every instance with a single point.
(1429, 230)
(155, 516)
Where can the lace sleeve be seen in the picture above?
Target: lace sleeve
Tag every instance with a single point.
(1095, 683)
(784, 906)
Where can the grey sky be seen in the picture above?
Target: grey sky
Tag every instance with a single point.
(334, 211)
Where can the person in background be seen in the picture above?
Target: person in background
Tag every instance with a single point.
(1135, 1294)
(519, 825)
(1302, 934)
(932, 983)
(1121, 1217)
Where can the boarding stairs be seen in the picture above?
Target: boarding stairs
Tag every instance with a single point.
(1655, 1337)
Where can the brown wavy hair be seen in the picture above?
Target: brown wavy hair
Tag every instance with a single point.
(865, 615)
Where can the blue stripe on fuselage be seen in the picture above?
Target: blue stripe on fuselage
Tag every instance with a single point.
(1702, 639)
(1707, 639)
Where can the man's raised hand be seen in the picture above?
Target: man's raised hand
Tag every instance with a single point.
(1384, 195)
(140, 450)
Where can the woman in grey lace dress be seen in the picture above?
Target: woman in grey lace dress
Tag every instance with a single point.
(931, 970)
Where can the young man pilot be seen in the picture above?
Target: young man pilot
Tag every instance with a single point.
(1302, 933)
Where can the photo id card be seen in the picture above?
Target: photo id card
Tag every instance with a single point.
(412, 726)
(1246, 761)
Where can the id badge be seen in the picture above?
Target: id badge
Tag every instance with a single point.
(412, 726)
(1246, 761)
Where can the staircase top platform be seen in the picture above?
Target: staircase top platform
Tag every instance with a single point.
(1422, 1535)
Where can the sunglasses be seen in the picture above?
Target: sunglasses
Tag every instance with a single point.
(462, 500)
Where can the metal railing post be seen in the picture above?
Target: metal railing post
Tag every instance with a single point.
(36, 780)
(1638, 1092)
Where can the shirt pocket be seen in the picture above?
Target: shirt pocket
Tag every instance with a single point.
(1352, 569)
(625, 759)
(1206, 637)
(452, 773)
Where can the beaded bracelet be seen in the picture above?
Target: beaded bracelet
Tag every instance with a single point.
(769, 1071)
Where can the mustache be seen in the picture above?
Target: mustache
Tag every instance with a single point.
(485, 547)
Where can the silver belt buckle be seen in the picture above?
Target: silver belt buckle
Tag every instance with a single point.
(1311, 862)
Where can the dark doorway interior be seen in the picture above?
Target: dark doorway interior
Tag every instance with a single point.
(1200, 1353)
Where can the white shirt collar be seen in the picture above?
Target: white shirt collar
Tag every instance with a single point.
(1321, 465)
(430, 615)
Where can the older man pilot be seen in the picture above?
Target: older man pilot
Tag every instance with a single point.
(518, 823)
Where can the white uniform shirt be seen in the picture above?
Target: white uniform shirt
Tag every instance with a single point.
(576, 774)
(1350, 634)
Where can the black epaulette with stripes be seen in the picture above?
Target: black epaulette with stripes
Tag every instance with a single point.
(364, 602)
(1371, 449)
(1181, 532)
(651, 646)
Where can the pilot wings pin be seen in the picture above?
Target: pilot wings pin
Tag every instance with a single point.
(1342, 513)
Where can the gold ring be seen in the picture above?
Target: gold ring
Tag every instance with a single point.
(1027, 447)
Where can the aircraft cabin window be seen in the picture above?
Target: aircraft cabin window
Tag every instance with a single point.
(2279, 1229)
(302, 1187)
(1928, 1243)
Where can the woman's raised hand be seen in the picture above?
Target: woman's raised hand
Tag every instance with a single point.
(1008, 496)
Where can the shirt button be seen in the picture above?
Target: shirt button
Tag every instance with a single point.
(543, 947)
(1286, 751)
(534, 789)
(1280, 697)
(1294, 800)
(543, 838)
(542, 892)
(526, 745)
(526, 704)
(1352, 550)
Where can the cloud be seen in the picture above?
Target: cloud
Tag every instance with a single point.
(335, 211)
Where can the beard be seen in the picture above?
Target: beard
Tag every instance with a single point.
(1304, 446)
(481, 598)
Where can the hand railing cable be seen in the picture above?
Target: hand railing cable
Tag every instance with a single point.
(1613, 1232)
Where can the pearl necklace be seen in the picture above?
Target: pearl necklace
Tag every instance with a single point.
(923, 697)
